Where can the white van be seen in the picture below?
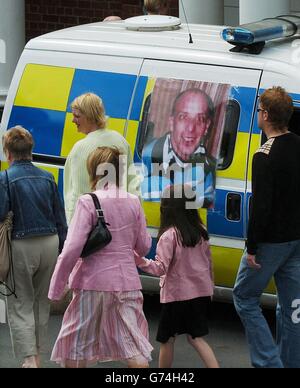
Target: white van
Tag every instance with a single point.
(124, 67)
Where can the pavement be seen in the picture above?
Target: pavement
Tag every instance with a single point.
(226, 338)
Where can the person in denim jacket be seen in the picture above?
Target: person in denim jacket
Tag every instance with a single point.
(39, 231)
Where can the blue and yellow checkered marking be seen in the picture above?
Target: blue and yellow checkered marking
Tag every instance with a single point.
(214, 219)
(44, 95)
(45, 87)
(147, 85)
(42, 103)
(237, 169)
(46, 127)
(226, 263)
(45, 110)
(217, 223)
(245, 96)
(115, 89)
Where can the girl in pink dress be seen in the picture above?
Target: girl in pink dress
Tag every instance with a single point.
(183, 261)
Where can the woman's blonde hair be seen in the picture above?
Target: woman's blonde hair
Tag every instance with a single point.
(156, 7)
(18, 142)
(103, 155)
(92, 107)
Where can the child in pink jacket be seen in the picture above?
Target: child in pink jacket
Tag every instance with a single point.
(183, 261)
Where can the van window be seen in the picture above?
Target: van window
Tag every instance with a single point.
(294, 125)
(1, 112)
(229, 135)
(228, 140)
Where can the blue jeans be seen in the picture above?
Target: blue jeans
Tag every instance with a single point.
(283, 262)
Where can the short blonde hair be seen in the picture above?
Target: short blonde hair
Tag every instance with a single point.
(101, 155)
(18, 142)
(92, 107)
(156, 7)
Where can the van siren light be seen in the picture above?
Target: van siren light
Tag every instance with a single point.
(254, 35)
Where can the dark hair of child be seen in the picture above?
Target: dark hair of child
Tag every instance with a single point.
(175, 213)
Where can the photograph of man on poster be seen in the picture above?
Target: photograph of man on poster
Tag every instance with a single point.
(187, 152)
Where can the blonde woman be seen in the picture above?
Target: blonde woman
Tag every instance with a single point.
(89, 116)
(105, 319)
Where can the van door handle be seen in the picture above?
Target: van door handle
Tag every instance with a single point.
(233, 207)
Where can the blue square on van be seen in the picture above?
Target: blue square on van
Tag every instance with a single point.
(46, 127)
(115, 90)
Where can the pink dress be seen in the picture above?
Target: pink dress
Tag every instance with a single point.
(105, 319)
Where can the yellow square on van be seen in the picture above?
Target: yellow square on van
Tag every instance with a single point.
(51, 82)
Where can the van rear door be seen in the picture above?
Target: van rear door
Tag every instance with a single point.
(226, 221)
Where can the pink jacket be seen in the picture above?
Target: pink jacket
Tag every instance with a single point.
(186, 273)
(113, 268)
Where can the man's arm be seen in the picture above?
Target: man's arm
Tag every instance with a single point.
(76, 180)
(262, 194)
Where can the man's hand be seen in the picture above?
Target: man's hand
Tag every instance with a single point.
(251, 260)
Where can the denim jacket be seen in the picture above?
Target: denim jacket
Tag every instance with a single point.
(33, 196)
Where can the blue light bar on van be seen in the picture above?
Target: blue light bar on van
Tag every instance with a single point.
(267, 29)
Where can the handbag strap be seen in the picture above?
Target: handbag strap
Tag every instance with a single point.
(11, 275)
(99, 211)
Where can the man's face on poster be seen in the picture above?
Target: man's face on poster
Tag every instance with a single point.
(189, 123)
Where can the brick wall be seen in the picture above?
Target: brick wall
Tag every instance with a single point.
(232, 10)
(43, 16)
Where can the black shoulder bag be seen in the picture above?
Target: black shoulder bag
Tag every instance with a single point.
(100, 236)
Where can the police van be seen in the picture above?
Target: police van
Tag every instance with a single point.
(138, 69)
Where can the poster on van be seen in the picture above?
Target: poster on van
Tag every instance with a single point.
(183, 132)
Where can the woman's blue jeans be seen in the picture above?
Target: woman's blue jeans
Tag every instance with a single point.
(283, 262)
